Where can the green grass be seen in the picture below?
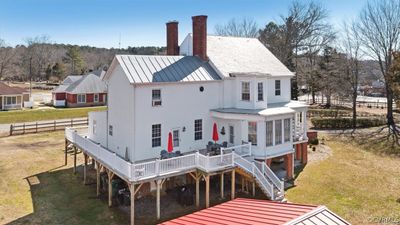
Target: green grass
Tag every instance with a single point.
(28, 115)
(36, 188)
(356, 184)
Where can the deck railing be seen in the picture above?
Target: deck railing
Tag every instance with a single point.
(279, 185)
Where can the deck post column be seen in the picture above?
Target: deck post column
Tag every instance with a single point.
(254, 188)
(207, 179)
(75, 150)
(132, 190)
(85, 168)
(222, 185)
(110, 176)
(233, 185)
(197, 190)
(97, 179)
(66, 149)
(242, 180)
(158, 183)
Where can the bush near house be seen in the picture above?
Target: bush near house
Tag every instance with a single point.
(333, 113)
(346, 122)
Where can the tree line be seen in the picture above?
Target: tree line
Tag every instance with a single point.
(39, 59)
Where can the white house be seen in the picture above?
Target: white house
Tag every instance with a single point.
(235, 83)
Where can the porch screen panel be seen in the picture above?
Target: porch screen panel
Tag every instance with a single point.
(269, 132)
(253, 133)
(278, 132)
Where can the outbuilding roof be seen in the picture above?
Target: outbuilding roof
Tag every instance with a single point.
(8, 90)
(235, 55)
(251, 212)
(85, 84)
(148, 69)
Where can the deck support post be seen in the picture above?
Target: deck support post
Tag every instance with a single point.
(158, 183)
(207, 179)
(66, 149)
(233, 185)
(197, 190)
(222, 185)
(242, 181)
(110, 175)
(93, 164)
(132, 191)
(85, 168)
(98, 179)
(75, 150)
(254, 188)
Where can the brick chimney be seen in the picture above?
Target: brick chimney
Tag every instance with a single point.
(172, 38)
(200, 36)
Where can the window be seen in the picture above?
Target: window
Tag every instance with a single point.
(110, 130)
(253, 133)
(300, 117)
(156, 96)
(286, 126)
(198, 129)
(245, 91)
(270, 133)
(277, 87)
(231, 134)
(81, 98)
(175, 137)
(12, 100)
(260, 91)
(156, 135)
(96, 97)
(278, 132)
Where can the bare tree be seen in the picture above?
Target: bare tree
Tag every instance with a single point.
(244, 27)
(379, 31)
(7, 55)
(350, 45)
(38, 55)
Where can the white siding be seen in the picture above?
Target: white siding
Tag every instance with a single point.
(285, 90)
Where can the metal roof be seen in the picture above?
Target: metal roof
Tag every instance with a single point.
(71, 79)
(148, 69)
(256, 212)
(86, 84)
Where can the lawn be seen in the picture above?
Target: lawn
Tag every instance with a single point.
(36, 188)
(359, 185)
(27, 115)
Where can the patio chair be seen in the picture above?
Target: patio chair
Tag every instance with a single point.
(225, 144)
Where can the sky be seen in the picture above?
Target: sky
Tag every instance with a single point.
(103, 23)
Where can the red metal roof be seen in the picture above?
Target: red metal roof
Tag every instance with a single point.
(245, 212)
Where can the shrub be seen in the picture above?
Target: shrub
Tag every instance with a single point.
(314, 141)
(346, 123)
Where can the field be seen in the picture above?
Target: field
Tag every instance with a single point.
(36, 188)
(27, 115)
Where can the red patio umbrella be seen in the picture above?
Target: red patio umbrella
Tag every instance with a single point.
(170, 146)
(215, 133)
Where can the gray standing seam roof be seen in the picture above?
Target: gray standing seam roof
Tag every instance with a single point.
(86, 84)
(148, 69)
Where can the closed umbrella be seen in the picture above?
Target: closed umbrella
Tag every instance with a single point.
(170, 146)
(215, 133)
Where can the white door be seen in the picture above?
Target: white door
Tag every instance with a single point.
(176, 139)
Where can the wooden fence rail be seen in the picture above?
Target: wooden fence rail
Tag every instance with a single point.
(35, 127)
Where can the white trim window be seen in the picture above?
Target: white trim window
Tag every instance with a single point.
(198, 129)
(278, 132)
(245, 91)
(270, 133)
(96, 97)
(10, 100)
(81, 98)
(156, 135)
(175, 137)
(110, 130)
(260, 91)
(286, 130)
(156, 97)
(253, 133)
(277, 87)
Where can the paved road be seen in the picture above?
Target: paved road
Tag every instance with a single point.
(5, 128)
